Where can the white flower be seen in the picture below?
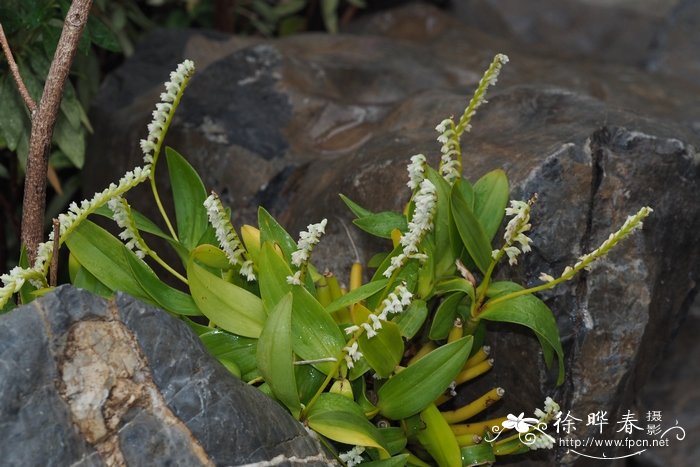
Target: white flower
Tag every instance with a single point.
(163, 113)
(295, 279)
(551, 411)
(416, 171)
(352, 354)
(421, 222)
(351, 329)
(307, 240)
(247, 270)
(121, 213)
(353, 456)
(369, 329)
(544, 277)
(479, 98)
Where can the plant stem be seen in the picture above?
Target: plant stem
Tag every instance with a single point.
(28, 101)
(43, 121)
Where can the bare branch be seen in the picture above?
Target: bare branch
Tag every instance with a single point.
(34, 204)
(31, 105)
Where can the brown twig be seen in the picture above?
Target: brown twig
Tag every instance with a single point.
(53, 271)
(31, 105)
(34, 204)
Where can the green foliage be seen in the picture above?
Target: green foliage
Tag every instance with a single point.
(390, 350)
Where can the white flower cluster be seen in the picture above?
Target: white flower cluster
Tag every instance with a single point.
(226, 235)
(164, 110)
(12, 283)
(352, 354)
(450, 150)
(416, 171)
(551, 411)
(631, 224)
(307, 240)
(541, 441)
(121, 213)
(395, 303)
(353, 456)
(489, 79)
(515, 230)
(421, 222)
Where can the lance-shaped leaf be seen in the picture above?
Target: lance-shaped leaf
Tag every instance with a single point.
(490, 200)
(275, 356)
(231, 307)
(445, 316)
(456, 284)
(478, 454)
(382, 223)
(383, 351)
(470, 230)
(188, 198)
(315, 334)
(530, 311)
(357, 295)
(271, 230)
(211, 256)
(414, 388)
(168, 298)
(241, 350)
(412, 319)
(356, 209)
(103, 255)
(340, 419)
(441, 222)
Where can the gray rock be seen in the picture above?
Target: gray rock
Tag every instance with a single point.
(84, 381)
(293, 122)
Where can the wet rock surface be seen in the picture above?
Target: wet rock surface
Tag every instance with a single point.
(596, 113)
(84, 381)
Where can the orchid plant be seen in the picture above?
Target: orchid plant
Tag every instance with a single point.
(370, 367)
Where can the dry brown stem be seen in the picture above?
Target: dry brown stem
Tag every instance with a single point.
(43, 120)
(31, 105)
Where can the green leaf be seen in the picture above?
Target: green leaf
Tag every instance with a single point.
(309, 381)
(166, 297)
(478, 454)
(394, 439)
(227, 346)
(383, 351)
(232, 308)
(437, 438)
(70, 140)
(356, 209)
(329, 11)
(456, 284)
(412, 319)
(490, 200)
(416, 387)
(101, 35)
(275, 356)
(340, 419)
(188, 197)
(270, 230)
(357, 295)
(441, 223)
(529, 311)
(315, 333)
(71, 109)
(211, 256)
(445, 316)
(103, 255)
(470, 231)
(498, 288)
(84, 280)
(382, 223)
(13, 115)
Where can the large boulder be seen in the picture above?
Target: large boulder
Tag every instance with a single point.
(290, 123)
(86, 381)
